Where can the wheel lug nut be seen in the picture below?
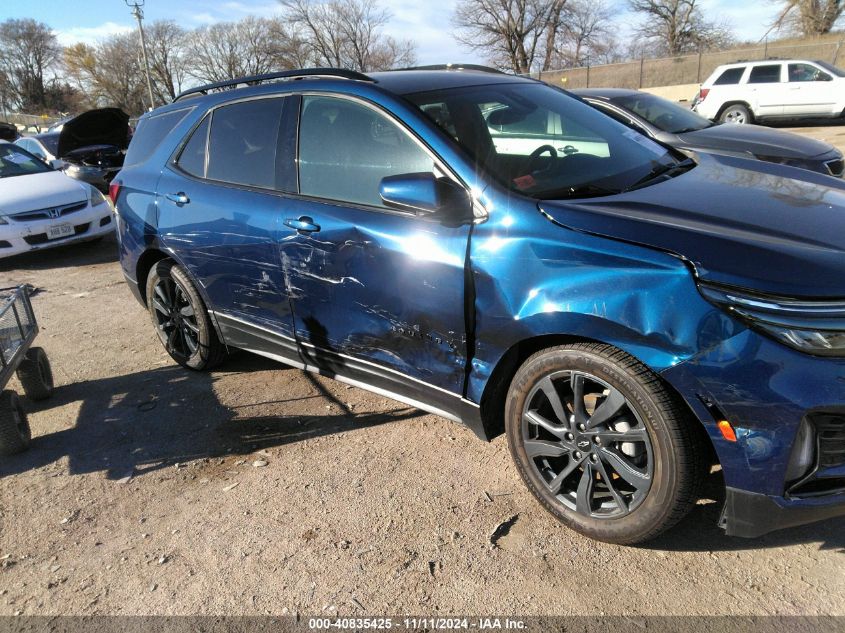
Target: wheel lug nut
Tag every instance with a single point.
(581, 427)
(569, 437)
(594, 458)
(577, 454)
(597, 440)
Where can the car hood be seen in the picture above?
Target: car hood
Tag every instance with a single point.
(105, 126)
(39, 191)
(761, 226)
(760, 141)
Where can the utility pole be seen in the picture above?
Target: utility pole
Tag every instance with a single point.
(139, 15)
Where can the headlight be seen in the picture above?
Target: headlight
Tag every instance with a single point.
(814, 327)
(96, 197)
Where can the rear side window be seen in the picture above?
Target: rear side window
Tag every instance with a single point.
(729, 76)
(765, 74)
(242, 143)
(150, 133)
(192, 158)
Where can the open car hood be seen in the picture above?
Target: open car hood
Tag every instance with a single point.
(765, 227)
(104, 126)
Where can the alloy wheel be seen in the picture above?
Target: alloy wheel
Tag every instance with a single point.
(585, 440)
(176, 318)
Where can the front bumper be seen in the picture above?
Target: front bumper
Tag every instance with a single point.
(765, 390)
(749, 514)
(18, 237)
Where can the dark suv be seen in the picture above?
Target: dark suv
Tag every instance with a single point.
(495, 251)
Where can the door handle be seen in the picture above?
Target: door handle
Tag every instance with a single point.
(179, 198)
(304, 225)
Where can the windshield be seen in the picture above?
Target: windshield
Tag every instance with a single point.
(662, 113)
(16, 161)
(830, 68)
(542, 142)
(50, 141)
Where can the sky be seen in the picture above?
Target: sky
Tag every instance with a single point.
(427, 22)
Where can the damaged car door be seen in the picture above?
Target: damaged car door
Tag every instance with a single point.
(220, 200)
(377, 289)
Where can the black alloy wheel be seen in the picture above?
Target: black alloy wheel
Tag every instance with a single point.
(181, 319)
(588, 444)
(602, 442)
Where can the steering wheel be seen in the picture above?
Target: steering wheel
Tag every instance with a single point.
(535, 155)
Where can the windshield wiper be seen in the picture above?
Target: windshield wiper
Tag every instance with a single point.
(578, 191)
(661, 170)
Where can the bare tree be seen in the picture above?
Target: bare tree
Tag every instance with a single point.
(166, 49)
(809, 17)
(28, 52)
(519, 35)
(227, 50)
(109, 73)
(675, 27)
(586, 34)
(347, 34)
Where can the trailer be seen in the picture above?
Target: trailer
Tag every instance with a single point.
(18, 329)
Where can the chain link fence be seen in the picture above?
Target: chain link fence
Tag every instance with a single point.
(684, 69)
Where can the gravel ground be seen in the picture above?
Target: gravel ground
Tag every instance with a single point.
(260, 489)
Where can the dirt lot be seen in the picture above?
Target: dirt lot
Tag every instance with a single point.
(258, 489)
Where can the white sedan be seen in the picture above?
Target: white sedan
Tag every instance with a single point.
(41, 207)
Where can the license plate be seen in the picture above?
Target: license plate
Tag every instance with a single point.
(63, 230)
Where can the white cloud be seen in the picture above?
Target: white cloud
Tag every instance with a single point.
(91, 34)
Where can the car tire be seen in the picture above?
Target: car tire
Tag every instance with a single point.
(643, 442)
(35, 374)
(736, 113)
(15, 434)
(181, 319)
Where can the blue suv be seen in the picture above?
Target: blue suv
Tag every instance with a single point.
(493, 250)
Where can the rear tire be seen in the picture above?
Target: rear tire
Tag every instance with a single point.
(15, 434)
(181, 318)
(35, 374)
(622, 466)
(736, 113)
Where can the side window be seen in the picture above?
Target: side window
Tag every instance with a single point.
(768, 74)
(192, 158)
(346, 148)
(729, 76)
(242, 142)
(806, 72)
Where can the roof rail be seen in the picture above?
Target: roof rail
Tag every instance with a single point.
(476, 67)
(254, 80)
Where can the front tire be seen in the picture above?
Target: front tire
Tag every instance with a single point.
(736, 113)
(181, 319)
(601, 442)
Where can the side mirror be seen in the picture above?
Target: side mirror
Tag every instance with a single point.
(427, 194)
(56, 163)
